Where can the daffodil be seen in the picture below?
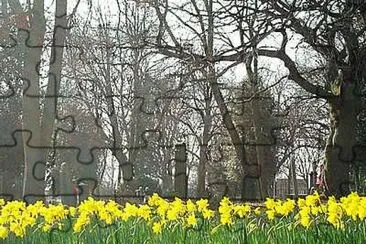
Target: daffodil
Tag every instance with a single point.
(17, 229)
(208, 214)
(72, 211)
(191, 207)
(157, 227)
(312, 200)
(2, 202)
(271, 214)
(130, 210)
(335, 213)
(144, 212)
(270, 203)
(226, 219)
(4, 232)
(305, 221)
(82, 221)
(178, 206)
(172, 214)
(304, 215)
(241, 210)
(202, 205)
(285, 208)
(154, 200)
(257, 211)
(162, 208)
(191, 220)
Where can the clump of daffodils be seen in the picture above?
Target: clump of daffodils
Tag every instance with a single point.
(185, 213)
(229, 211)
(18, 219)
(279, 207)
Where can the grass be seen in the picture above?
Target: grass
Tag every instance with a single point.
(137, 232)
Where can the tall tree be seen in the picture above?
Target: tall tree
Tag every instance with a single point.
(122, 86)
(12, 156)
(334, 30)
(205, 31)
(38, 121)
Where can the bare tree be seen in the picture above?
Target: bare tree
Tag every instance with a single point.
(335, 31)
(129, 93)
(206, 32)
(38, 121)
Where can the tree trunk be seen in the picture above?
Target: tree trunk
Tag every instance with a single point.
(31, 104)
(264, 155)
(180, 172)
(167, 186)
(49, 114)
(136, 126)
(125, 166)
(201, 174)
(217, 94)
(201, 181)
(261, 121)
(294, 179)
(340, 151)
(39, 126)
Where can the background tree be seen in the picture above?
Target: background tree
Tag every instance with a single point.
(27, 32)
(128, 93)
(205, 22)
(12, 156)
